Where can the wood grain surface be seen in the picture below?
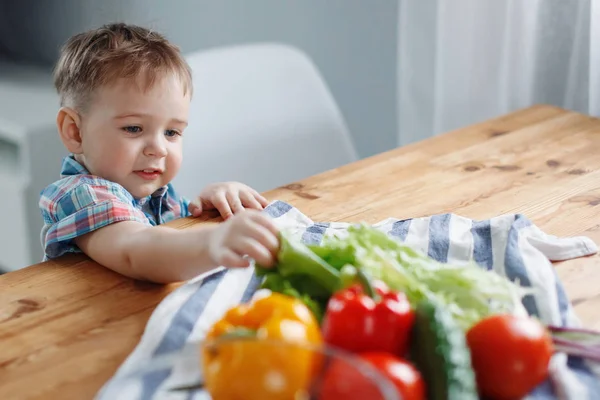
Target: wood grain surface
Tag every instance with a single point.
(66, 325)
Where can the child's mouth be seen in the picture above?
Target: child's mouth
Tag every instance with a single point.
(148, 174)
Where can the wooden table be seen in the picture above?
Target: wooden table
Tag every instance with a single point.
(66, 325)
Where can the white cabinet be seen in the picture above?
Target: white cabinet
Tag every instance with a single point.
(30, 158)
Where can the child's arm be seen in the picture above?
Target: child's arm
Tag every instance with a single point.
(163, 254)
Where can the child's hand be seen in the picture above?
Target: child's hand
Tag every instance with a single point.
(228, 198)
(249, 233)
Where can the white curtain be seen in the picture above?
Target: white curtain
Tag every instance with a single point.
(464, 61)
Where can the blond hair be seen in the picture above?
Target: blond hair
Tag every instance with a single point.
(98, 57)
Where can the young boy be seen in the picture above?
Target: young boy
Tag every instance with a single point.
(125, 93)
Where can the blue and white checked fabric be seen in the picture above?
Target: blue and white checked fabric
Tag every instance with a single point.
(510, 245)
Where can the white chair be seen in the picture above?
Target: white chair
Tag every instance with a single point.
(261, 114)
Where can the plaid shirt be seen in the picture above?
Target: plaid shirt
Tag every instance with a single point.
(80, 203)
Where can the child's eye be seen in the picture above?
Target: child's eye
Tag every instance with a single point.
(132, 129)
(171, 133)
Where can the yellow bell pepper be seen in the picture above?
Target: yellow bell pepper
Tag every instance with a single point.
(275, 363)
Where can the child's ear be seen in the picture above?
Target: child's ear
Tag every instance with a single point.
(68, 123)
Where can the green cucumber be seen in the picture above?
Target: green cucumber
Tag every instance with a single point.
(439, 351)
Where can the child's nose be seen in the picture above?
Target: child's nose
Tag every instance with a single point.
(155, 149)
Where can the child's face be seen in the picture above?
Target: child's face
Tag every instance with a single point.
(133, 137)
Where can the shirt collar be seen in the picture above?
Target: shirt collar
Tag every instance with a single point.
(71, 166)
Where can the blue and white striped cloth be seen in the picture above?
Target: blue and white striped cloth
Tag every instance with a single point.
(510, 245)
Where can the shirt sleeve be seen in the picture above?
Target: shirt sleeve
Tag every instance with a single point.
(178, 204)
(81, 209)
(185, 203)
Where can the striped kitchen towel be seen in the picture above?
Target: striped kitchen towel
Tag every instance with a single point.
(509, 244)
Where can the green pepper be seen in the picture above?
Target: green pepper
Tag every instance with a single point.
(295, 259)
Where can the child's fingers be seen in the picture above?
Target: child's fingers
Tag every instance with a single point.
(263, 236)
(263, 202)
(230, 259)
(222, 205)
(256, 251)
(266, 222)
(249, 201)
(234, 202)
(195, 208)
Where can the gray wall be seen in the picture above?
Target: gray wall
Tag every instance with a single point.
(353, 42)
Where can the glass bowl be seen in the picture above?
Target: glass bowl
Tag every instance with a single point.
(254, 369)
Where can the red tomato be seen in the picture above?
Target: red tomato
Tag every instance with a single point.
(343, 381)
(510, 355)
(402, 374)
